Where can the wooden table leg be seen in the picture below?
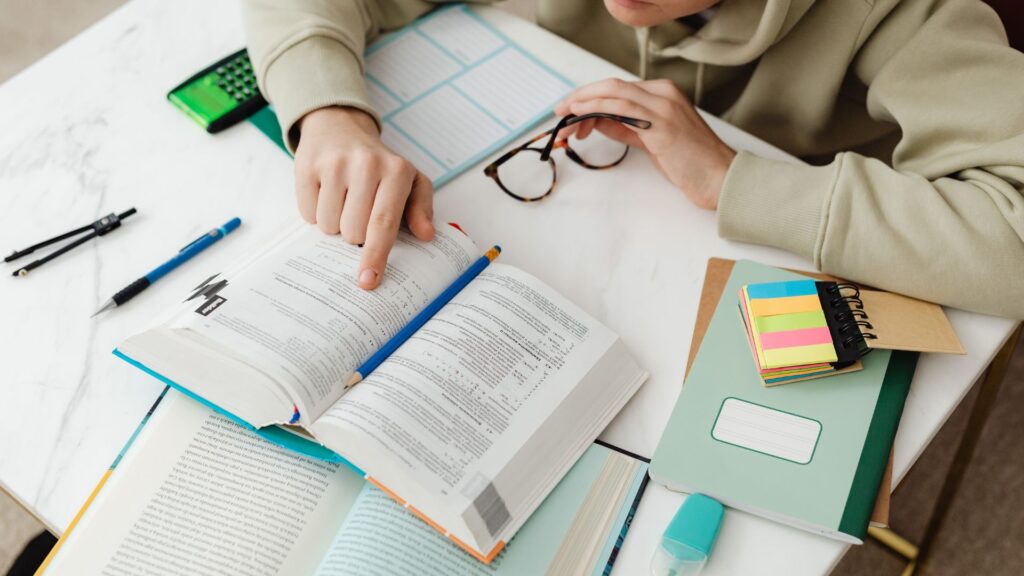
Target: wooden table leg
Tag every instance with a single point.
(918, 556)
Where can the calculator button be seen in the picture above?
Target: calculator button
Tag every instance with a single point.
(239, 97)
(246, 91)
(220, 70)
(229, 88)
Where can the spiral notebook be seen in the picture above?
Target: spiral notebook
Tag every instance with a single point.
(803, 329)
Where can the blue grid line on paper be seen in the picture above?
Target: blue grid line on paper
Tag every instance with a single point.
(477, 105)
(499, 144)
(422, 148)
(509, 41)
(463, 70)
(511, 133)
(379, 84)
(383, 41)
(446, 82)
(390, 37)
(506, 42)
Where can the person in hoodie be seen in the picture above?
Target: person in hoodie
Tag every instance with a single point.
(908, 114)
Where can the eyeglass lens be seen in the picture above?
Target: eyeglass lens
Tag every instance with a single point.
(528, 177)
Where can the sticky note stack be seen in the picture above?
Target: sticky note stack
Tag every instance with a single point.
(789, 333)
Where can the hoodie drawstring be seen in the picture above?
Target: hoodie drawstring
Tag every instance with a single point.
(643, 39)
(698, 85)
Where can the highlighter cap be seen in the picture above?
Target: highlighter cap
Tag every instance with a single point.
(689, 538)
(695, 524)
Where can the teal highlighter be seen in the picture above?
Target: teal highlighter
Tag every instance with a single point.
(688, 538)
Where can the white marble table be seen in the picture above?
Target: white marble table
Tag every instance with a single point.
(87, 131)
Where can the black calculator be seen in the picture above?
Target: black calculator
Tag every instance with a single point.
(221, 95)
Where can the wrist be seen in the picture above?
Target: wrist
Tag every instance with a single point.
(344, 119)
(717, 168)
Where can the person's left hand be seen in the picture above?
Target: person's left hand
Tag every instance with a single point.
(679, 142)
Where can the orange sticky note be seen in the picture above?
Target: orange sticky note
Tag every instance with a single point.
(787, 305)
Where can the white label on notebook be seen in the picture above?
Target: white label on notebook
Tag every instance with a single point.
(766, 430)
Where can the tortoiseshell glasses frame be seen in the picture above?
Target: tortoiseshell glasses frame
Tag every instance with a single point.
(553, 143)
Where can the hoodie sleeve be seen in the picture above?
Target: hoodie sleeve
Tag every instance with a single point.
(308, 54)
(946, 221)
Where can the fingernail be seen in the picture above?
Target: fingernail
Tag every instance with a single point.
(367, 278)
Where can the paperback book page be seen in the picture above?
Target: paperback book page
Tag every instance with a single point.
(445, 413)
(297, 314)
(381, 537)
(451, 90)
(198, 495)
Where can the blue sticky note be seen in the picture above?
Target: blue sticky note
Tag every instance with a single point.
(782, 289)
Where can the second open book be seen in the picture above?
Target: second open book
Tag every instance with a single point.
(469, 424)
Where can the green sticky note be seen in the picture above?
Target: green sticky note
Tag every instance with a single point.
(795, 321)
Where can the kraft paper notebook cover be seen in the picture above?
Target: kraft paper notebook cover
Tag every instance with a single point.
(715, 277)
(819, 452)
(194, 493)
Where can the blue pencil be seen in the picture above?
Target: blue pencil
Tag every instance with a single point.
(420, 319)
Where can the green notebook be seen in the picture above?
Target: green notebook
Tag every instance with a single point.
(810, 454)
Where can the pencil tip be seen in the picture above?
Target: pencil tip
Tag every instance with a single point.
(355, 379)
(106, 306)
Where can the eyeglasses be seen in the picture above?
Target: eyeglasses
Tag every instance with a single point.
(527, 173)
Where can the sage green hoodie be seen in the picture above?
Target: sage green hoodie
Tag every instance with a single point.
(909, 113)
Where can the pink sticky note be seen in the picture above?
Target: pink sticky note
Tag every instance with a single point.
(790, 338)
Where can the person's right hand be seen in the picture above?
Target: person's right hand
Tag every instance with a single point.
(348, 181)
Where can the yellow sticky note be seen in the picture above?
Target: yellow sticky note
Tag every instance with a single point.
(797, 355)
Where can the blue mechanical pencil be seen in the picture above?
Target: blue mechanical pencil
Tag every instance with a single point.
(184, 255)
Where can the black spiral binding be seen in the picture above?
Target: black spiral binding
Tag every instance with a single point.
(849, 320)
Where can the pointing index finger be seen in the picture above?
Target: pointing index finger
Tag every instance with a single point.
(385, 219)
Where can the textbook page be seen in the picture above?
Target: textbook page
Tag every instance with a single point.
(451, 90)
(443, 416)
(196, 494)
(298, 316)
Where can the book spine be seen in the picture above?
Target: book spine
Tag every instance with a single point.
(878, 444)
(621, 537)
(99, 486)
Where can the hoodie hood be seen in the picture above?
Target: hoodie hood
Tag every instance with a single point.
(739, 33)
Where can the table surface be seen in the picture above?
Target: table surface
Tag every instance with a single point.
(87, 131)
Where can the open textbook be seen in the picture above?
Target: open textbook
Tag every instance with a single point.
(195, 493)
(469, 424)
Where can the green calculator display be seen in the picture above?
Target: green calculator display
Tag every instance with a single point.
(221, 95)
